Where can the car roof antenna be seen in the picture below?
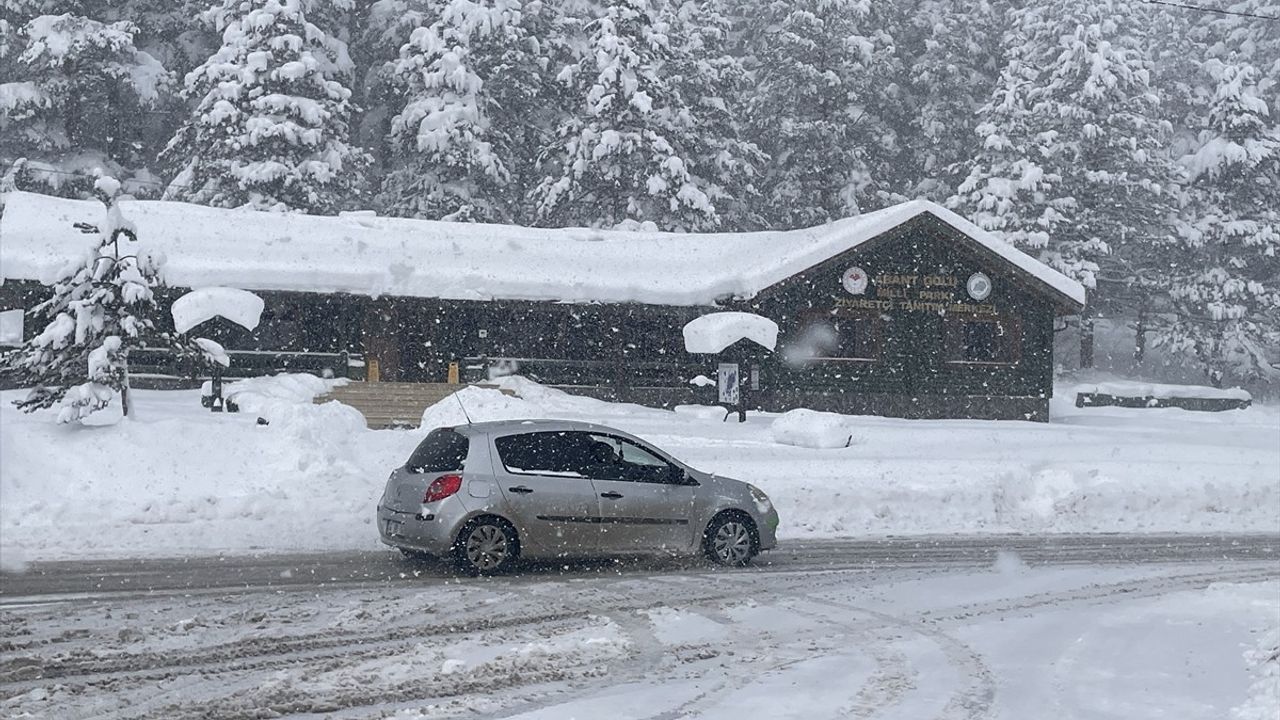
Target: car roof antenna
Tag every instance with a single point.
(464, 407)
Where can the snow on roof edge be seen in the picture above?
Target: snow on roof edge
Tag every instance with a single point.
(1040, 271)
(375, 256)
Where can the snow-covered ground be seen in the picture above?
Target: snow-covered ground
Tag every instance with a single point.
(177, 479)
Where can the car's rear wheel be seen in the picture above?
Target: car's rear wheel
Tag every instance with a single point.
(486, 546)
(731, 539)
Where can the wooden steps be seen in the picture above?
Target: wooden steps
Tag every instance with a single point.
(392, 404)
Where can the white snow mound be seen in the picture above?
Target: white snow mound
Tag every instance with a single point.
(202, 304)
(482, 405)
(714, 332)
(812, 429)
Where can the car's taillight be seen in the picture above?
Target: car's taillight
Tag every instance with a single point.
(442, 487)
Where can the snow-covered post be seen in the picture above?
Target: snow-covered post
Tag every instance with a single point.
(203, 304)
(714, 333)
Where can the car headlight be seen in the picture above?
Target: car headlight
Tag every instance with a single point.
(761, 500)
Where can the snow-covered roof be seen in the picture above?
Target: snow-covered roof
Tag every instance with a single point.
(364, 254)
(714, 332)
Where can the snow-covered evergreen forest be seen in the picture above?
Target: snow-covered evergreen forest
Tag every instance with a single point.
(1134, 146)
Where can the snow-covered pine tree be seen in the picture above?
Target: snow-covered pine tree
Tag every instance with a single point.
(99, 310)
(1072, 160)
(271, 123)
(471, 82)
(823, 71)
(622, 157)
(1246, 38)
(378, 31)
(713, 84)
(955, 58)
(72, 99)
(1226, 289)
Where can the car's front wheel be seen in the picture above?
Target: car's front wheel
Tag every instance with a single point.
(731, 539)
(486, 546)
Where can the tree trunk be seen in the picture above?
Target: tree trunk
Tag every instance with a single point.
(1086, 339)
(1140, 336)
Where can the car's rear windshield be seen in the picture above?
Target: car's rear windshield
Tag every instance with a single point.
(442, 450)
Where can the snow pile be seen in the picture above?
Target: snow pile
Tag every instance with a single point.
(1264, 693)
(812, 429)
(702, 412)
(213, 352)
(203, 304)
(714, 332)
(285, 401)
(178, 479)
(1119, 388)
(260, 394)
(481, 405)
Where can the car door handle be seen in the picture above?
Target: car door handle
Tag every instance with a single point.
(521, 489)
(611, 495)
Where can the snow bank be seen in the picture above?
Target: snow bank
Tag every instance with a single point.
(373, 256)
(261, 393)
(1264, 694)
(1156, 390)
(812, 429)
(176, 479)
(203, 304)
(702, 412)
(714, 332)
(481, 405)
(181, 480)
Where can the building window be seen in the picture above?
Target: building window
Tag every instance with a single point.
(838, 337)
(983, 340)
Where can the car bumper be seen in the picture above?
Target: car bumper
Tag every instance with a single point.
(414, 531)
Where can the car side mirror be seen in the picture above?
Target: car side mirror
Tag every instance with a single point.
(680, 476)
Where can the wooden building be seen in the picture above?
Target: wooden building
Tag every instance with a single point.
(909, 311)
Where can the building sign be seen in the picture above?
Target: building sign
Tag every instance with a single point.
(979, 286)
(854, 281)
(938, 294)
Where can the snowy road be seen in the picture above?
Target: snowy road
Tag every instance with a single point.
(987, 627)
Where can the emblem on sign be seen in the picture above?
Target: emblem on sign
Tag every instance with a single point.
(854, 281)
(979, 286)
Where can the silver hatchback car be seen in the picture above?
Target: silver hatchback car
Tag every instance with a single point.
(488, 493)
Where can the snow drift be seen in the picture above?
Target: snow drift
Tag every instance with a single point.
(178, 479)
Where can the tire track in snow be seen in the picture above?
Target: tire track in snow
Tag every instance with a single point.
(976, 700)
(1101, 592)
(727, 685)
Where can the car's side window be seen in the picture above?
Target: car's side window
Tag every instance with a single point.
(542, 453)
(614, 458)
